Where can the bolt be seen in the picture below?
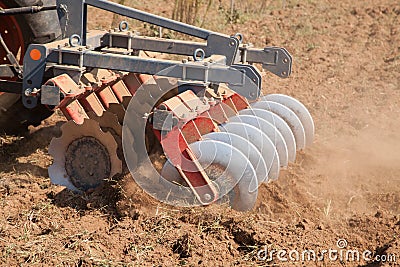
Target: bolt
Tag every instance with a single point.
(206, 63)
(66, 44)
(285, 60)
(88, 46)
(59, 46)
(207, 197)
(80, 49)
(91, 173)
(28, 92)
(245, 45)
(184, 61)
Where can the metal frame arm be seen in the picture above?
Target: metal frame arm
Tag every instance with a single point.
(276, 60)
(243, 79)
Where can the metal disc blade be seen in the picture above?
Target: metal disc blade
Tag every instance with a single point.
(59, 176)
(259, 140)
(242, 187)
(289, 117)
(280, 124)
(72, 133)
(300, 110)
(247, 148)
(270, 130)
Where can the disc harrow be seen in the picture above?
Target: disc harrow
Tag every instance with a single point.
(219, 144)
(191, 132)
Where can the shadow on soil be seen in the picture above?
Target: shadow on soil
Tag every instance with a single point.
(103, 199)
(13, 148)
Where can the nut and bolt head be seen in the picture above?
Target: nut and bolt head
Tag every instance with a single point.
(207, 197)
(28, 92)
(184, 61)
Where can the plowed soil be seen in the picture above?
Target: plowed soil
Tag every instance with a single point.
(346, 186)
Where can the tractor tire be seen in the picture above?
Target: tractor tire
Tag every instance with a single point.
(42, 27)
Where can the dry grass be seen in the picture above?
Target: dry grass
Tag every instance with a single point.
(211, 14)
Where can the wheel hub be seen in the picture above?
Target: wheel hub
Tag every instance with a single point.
(87, 163)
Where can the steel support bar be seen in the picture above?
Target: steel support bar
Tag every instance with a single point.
(242, 79)
(161, 45)
(74, 20)
(188, 71)
(25, 10)
(274, 59)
